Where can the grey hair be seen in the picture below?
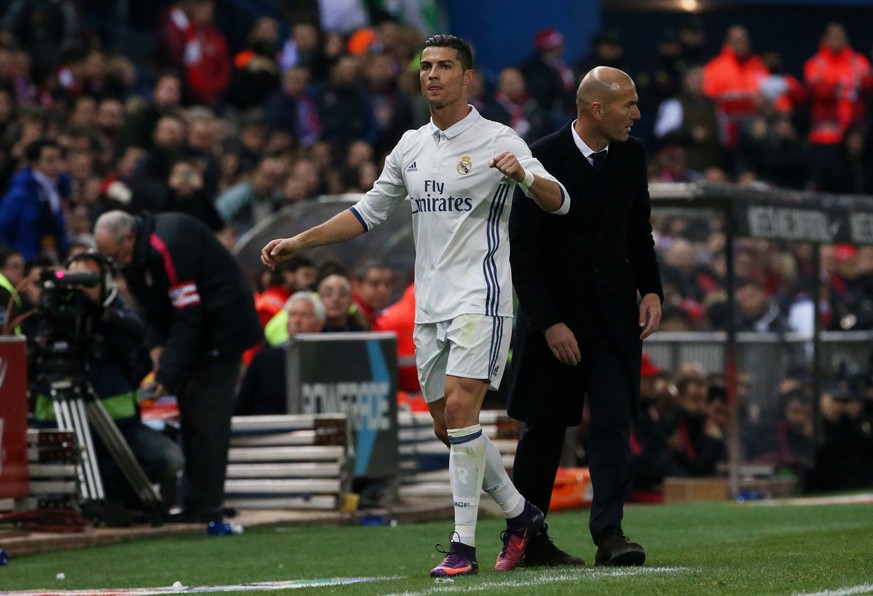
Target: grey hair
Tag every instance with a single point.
(313, 299)
(115, 223)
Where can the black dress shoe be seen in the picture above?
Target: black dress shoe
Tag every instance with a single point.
(542, 552)
(615, 549)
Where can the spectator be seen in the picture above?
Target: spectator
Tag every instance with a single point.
(696, 441)
(243, 205)
(189, 43)
(207, 59)
(400, 318)
(174, 32)
(690, 121)
(757, 311)
(335, 292)
(607, 49)
(264, 387)
(302, 48)
(42, 28)
(109, 120)
(251, 140)
(287, 278)
(201, 317)
(548, 78)
(342, 16)
(82, 73)
(846, 168)
(203, 147)
(839, 80)
(344, 107)
(117, 361)
(255, 73)
(663, 79)
(652, 459)
(371, 288)
(149, 184)
(841, 457)
(392, 110)
(771, 148)
(514, 107)
(166, 100)
(733, 79)
(186, 195)
(31, 218)
(692, 39)
(786, 442)
(292, 110)
(11, 274)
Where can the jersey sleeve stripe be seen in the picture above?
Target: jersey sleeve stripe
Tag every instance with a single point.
(359, 218)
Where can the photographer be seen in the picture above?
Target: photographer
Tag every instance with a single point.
(109, 339)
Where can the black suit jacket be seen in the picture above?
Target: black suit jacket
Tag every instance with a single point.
(583, 269)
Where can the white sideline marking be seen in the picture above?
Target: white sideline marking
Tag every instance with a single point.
(863, 498)
(253, 587)
(545, 578)
(849, 591)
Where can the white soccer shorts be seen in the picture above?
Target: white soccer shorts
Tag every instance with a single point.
(470, 346)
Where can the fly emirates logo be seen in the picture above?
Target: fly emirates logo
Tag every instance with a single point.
(434, 200)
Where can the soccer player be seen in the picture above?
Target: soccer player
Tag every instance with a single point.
(459, 171)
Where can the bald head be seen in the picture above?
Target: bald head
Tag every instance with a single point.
(600, 85)
(606, 106)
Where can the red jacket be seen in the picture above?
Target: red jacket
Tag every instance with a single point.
(733, 85)
(269, 302)
(400, 318)
(837, 85)
(208, 62)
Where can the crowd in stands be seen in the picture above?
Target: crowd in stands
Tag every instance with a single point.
(683, 428)
(311, 104)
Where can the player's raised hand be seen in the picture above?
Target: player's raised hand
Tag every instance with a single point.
(278, 250)
(508, 165)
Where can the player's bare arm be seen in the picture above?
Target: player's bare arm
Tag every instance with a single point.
(340, 227)
(546, 193)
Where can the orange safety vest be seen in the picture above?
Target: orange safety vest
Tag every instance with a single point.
(837, 84)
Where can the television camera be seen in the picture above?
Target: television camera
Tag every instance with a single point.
(60, 346)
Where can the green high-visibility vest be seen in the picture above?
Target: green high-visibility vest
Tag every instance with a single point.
(7, 285)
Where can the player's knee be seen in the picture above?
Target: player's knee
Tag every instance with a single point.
(441, 432)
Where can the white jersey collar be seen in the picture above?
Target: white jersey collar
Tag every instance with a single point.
(458, 127)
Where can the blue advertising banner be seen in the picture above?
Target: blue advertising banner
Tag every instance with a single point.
(354, 374)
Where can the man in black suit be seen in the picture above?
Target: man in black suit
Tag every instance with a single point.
(580, 326)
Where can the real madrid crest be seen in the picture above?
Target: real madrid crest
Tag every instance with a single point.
(465, 165)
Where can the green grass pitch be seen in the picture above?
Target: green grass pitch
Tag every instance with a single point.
(699, 548)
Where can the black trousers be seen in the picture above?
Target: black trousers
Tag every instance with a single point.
(206, 402)
(610, 400)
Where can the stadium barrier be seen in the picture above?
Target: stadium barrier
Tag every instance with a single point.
(289, 462)
(764, 358)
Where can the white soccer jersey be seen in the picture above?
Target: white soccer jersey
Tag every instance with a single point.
(460, 213)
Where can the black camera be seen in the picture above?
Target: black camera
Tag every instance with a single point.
(64, 318)
(61, 297)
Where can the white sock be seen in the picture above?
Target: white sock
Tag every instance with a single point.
(466, 470)
(497, 483)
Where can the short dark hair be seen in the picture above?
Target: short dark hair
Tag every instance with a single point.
(33, 151)
(444, 40)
